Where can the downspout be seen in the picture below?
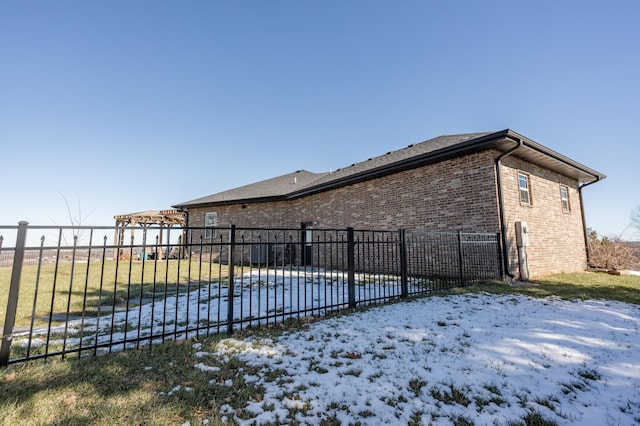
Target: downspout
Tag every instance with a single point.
(186, 217)
(503, 227)
(584, 222)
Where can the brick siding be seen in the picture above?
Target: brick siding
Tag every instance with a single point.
(556, 237)
(458, 194)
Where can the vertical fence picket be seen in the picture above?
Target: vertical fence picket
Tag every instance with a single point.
(198, 324)
(403, 263)
(460, 259)
(35, 297)
(230, 274)
(84, 296)
(157, 250)
(351, 265)
(100, 291)
(69, 294)
(187, 318)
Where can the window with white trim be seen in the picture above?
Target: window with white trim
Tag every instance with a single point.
(210, 221)
(524, 186)
(564, 198)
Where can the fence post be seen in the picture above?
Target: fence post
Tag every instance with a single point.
(351, 267)
(12, 302)
(460, 259)
(403, 264)
(230, 273)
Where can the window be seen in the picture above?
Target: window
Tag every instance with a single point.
(308, 238)
(210, 221)
(564, 197)
(525, 194)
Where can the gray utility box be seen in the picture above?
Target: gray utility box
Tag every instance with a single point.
(262, 254)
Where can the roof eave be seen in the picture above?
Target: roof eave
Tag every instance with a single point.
(566, 165)
(230, 202)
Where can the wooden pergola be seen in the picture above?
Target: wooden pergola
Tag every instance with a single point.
(146, 219)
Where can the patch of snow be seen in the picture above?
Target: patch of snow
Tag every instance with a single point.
(179, 388)
(490, 359)
(205, 368)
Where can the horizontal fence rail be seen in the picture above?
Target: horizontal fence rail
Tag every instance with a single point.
(91, 290)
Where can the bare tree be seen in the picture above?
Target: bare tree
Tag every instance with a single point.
(77, 219)
(635, 218)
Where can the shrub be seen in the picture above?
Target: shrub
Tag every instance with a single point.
(611, 253)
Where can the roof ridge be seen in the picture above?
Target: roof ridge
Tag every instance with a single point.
(471, 135)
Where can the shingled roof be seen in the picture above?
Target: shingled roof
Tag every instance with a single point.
(270, 189)
(390, 161)
(302, 182)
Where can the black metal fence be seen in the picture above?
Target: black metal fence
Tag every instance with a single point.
(73, 291)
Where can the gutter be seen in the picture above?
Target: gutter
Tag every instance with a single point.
(584, 222)
(557, 156)
(189, 205)
(503, 227)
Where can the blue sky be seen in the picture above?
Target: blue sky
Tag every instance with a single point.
(123, 106)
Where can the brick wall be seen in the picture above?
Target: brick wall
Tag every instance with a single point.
(556, 238)
(453, 195)
(457, 194)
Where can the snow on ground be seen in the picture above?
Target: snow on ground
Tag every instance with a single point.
(259, 297)
(482, 358)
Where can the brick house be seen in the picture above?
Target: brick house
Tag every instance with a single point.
(480, 182)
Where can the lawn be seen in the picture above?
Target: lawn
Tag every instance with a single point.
(577, 286)
(105, 284)
(494, 354)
